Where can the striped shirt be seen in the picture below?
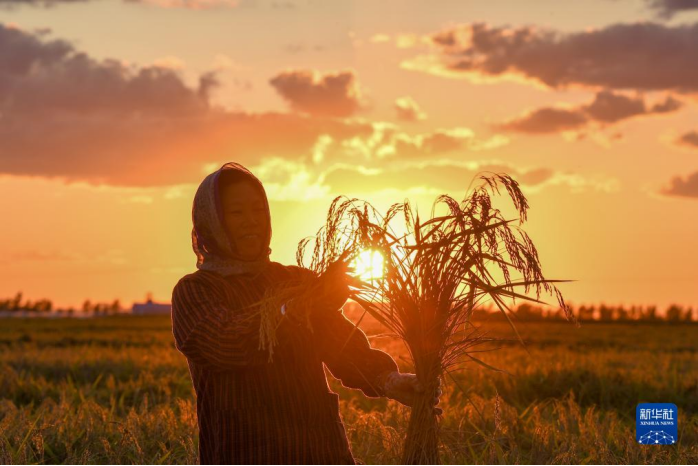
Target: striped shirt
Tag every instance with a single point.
(258, 412)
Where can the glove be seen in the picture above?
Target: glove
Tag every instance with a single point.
(404, 387)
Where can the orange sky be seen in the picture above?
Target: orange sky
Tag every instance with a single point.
(112, 112)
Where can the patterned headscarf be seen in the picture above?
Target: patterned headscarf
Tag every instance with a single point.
(212, 246)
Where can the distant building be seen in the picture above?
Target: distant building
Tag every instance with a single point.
(150, 307)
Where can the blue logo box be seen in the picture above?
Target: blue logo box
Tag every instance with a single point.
(656, 423)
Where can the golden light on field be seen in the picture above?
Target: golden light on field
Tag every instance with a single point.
(368, 265)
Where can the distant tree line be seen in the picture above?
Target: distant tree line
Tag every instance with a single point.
(522, 311)
(16, 304)
(602, 312)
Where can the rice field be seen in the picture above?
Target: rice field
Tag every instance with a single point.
(115, 390)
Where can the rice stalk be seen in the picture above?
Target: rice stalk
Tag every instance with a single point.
(289, 298)
(436, 273)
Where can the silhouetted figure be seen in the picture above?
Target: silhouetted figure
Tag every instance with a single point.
(250, 410)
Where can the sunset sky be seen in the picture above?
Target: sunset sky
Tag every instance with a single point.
(113, 111)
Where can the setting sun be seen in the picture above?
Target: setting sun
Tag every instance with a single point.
(368, 265)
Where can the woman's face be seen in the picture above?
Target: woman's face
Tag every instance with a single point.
(244, 218)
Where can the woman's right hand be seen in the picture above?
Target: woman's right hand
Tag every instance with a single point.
(330, 291)
(334, 286)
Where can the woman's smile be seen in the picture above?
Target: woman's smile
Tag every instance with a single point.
(249, 243)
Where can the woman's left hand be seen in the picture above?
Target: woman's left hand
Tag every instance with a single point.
(405, 387)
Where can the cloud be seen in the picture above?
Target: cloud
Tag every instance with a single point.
(682, 187)
(171, 62)
(333, 94)
(223, 62)
(380, 38)
(190, 4)
(387, 141)
(669, 105)
(65, 114)
(402, 41)
(643, 56)
(11, 4)
(50, 77)
(666, 9)
(608, 107)
(286, 180)
(441, 177)
(689, 139)
(450, 177)
(535, 177)
(185, 4)
(304, 181)
(408, 110)
(545, 120)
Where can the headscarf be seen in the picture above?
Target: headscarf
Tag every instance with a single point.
(213, 248)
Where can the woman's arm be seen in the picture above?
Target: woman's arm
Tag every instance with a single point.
(346, 351)
(348, 354)
(208, 332)
(343, 347)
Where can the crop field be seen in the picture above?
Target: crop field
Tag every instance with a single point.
(115, 390)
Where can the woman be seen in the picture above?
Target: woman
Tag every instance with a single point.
(251, 410)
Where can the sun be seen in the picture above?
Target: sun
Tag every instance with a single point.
(368, 265)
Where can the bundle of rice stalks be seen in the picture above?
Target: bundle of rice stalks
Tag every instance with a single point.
(435, 274)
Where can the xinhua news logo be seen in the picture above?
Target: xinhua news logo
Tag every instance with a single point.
(656, 423)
